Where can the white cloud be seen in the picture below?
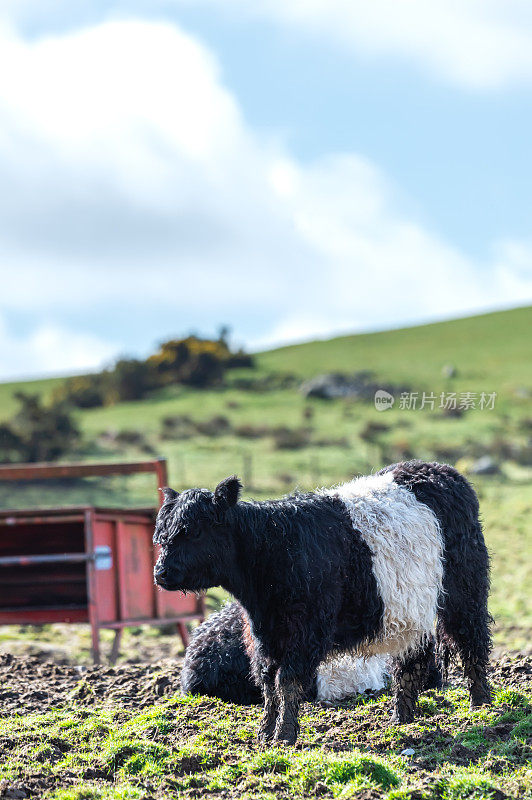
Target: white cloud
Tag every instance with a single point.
(379, 268)
(49, 349)
(479, 44)
(130, 180)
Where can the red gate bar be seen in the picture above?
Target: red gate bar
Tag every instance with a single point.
(66, 558)
(46, 471)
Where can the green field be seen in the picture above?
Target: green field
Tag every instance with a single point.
(128, 734)
(329, 441)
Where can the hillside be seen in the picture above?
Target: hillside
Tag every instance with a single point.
(493, 349)
(495, 346)
(277, 440)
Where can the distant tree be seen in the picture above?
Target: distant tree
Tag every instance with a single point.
(130, 379)
(11, 445)
(83, 391)
(38, 432)
(192, 361)
(224, 332)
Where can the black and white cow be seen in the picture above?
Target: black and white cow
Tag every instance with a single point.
(366, 568)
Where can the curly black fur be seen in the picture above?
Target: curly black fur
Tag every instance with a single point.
(463, 618)
(217, 663)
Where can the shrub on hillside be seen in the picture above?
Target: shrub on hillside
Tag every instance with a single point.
(130, 379)
(273, 381)
(184, 427)
(38, 432)
(215, 426)
(126, 439)
(373, 430)
(180, 426)
(83, 391)
(291, 438)
(253, 431)
(10, 445)
(191, 361)
(334, 441)
(240, 360)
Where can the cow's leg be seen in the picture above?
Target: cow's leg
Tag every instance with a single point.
(433, 678)
(463, 619)
(270, 704)
(293, 681)
(294, 675)
(289, 691)
(409, 677)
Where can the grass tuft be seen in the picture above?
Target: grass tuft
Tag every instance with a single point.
(467, 782)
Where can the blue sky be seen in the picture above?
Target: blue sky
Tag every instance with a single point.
(292, 170)
(461, 156)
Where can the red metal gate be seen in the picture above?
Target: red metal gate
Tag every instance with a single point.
(86, 564)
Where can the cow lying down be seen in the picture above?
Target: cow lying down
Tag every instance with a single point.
(217, 664)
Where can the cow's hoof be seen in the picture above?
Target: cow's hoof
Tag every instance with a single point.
(403, 717)
(286, 737)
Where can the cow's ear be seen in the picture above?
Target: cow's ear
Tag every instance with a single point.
(169, 494)
(227, 492)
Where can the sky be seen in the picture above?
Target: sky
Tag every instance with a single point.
(292, 170)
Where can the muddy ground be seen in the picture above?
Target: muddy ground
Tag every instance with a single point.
(31, 686)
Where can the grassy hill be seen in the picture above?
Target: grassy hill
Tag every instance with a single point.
(490, 351)
(494, 348)
(278, 440)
